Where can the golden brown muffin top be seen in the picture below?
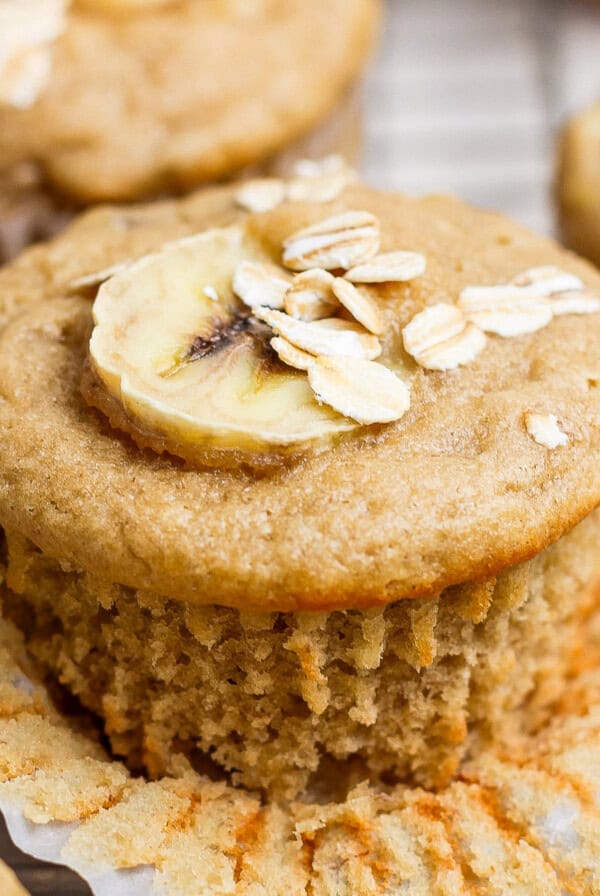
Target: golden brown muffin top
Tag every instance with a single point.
(172, 96)
(457, 489)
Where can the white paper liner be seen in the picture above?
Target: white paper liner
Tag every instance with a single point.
(46, 842)
(523, 819)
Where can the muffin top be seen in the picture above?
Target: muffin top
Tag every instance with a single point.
(150, 97)
(495, 457)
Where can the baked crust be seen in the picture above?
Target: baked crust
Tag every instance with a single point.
(455, 491)
(125, 116)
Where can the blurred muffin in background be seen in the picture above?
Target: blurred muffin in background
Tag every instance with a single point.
(579, 183)
(124, 99)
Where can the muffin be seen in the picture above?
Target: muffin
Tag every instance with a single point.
(300, 488)
(578, 189)
(120, 100)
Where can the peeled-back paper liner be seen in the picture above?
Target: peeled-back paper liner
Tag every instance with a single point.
(45, 842)
(521, 819)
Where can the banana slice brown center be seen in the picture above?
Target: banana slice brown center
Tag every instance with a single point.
(183, 365)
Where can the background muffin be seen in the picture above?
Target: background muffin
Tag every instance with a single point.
(121, 115)
(579, 183)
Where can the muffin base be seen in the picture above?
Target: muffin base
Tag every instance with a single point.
(272, 697)
(30, 212)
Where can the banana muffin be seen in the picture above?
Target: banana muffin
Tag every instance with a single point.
(579, 183)
(123, 99)
(290, 489)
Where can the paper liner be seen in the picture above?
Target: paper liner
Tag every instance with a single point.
(524, 820)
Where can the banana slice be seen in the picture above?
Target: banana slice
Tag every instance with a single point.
(197, 377)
